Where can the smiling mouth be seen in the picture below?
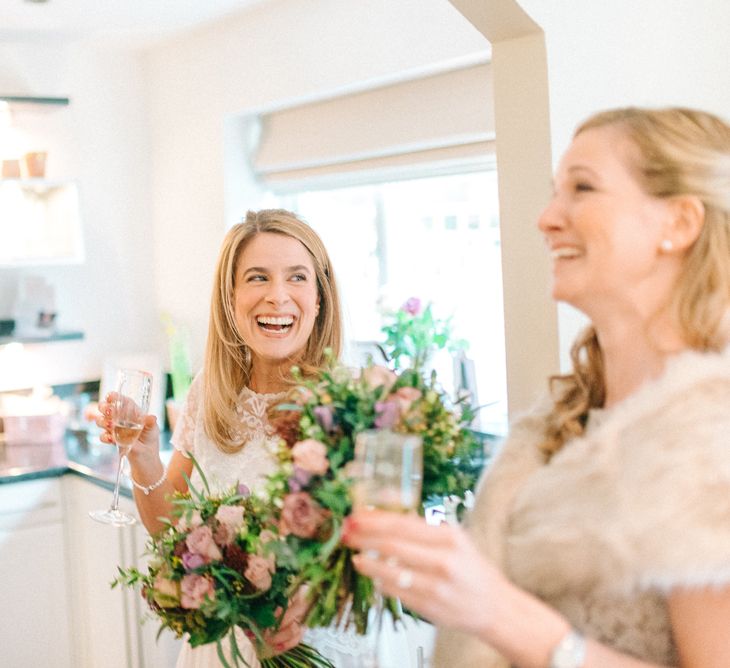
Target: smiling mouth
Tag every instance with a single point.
(280, 325)
(564, 252)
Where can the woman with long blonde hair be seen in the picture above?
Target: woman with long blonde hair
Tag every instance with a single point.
(274, 305)
(601, 533)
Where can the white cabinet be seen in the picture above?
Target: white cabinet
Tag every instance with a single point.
(108, 621)
(34, 615)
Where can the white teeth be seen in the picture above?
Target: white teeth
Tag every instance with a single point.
(565, 251)
(262, 320)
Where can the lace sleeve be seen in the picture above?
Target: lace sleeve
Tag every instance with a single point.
(183, 438)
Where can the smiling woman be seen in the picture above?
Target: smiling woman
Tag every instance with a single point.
(274, 304)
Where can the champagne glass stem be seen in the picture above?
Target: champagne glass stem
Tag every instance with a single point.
(372, 660)
(115, 501)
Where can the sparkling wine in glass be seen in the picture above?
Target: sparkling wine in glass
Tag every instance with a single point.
(130, 403)
(388, 474)
(388, 470)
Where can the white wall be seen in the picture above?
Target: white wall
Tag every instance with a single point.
(100, 140)
(154, 218)
(586, 56)
(284, 50)
(619, 53)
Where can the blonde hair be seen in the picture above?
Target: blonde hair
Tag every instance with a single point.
(678, 152)
(227, 357)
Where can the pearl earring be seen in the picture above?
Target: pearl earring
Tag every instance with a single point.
(666, 245)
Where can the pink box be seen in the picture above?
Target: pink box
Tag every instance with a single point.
(34, 429)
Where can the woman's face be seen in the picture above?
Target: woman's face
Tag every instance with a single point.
(275, 297)
(603, 231)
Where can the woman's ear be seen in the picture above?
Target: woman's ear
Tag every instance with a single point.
(688, 217)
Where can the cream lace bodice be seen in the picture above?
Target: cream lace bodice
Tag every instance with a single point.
(252, 463)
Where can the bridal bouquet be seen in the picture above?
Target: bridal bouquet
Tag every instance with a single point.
(216, 568)
(310, 494)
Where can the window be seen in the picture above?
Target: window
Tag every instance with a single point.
(434, 238)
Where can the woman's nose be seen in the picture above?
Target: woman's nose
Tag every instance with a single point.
(552, 216)
(277, 292)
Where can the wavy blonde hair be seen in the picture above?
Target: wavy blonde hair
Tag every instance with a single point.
(679, 152)
(227, 357)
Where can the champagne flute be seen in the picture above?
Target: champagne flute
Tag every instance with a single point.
(388, 475)
(388, 471)
(129, 405)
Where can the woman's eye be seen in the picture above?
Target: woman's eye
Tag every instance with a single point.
(255, 278)
(299, 277)
(582, 186)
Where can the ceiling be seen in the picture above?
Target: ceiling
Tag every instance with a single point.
(131, 22)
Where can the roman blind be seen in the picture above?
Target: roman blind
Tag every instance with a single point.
(436, 119)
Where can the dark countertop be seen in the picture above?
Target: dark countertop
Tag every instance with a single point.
(77, 454)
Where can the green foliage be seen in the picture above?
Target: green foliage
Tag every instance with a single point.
(332, 409)
(236, 601)
(412, 335)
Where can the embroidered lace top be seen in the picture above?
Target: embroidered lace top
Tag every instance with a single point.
(252, 463)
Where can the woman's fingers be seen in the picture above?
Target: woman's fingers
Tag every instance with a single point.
(408, 540)
(286, 637)
(381, 524)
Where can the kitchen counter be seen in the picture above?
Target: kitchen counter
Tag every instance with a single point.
(77, 454)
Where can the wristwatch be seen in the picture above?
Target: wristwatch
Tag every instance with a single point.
(570, 652)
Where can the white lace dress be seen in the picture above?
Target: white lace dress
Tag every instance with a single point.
(249, 466)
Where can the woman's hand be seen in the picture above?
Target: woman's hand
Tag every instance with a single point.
(145, 450)
(290, 631)
(435, 570)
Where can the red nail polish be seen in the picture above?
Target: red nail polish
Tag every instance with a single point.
(348, 526)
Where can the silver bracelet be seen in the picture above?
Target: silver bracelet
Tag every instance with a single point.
(570, 652)
(153, 486)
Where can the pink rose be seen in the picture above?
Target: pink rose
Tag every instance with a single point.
(230, 515)
(302, 395)
(267, 536)
(200, 541)
(189, 521)
(166, 592)
(412, 306)
(311, 456)
(224, 534)
(387, 413)
(195, 588)
(192, 561)
(378, 376)
(258, 572)
(406, 396)
(301, 515)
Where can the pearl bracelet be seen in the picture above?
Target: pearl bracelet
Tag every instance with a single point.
(570, 652)
(153, 486)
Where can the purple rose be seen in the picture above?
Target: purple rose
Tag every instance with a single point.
(387, 414)
(412, 306)
(192, 561)
(325, 417)
(299, 480)
(243, 490)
